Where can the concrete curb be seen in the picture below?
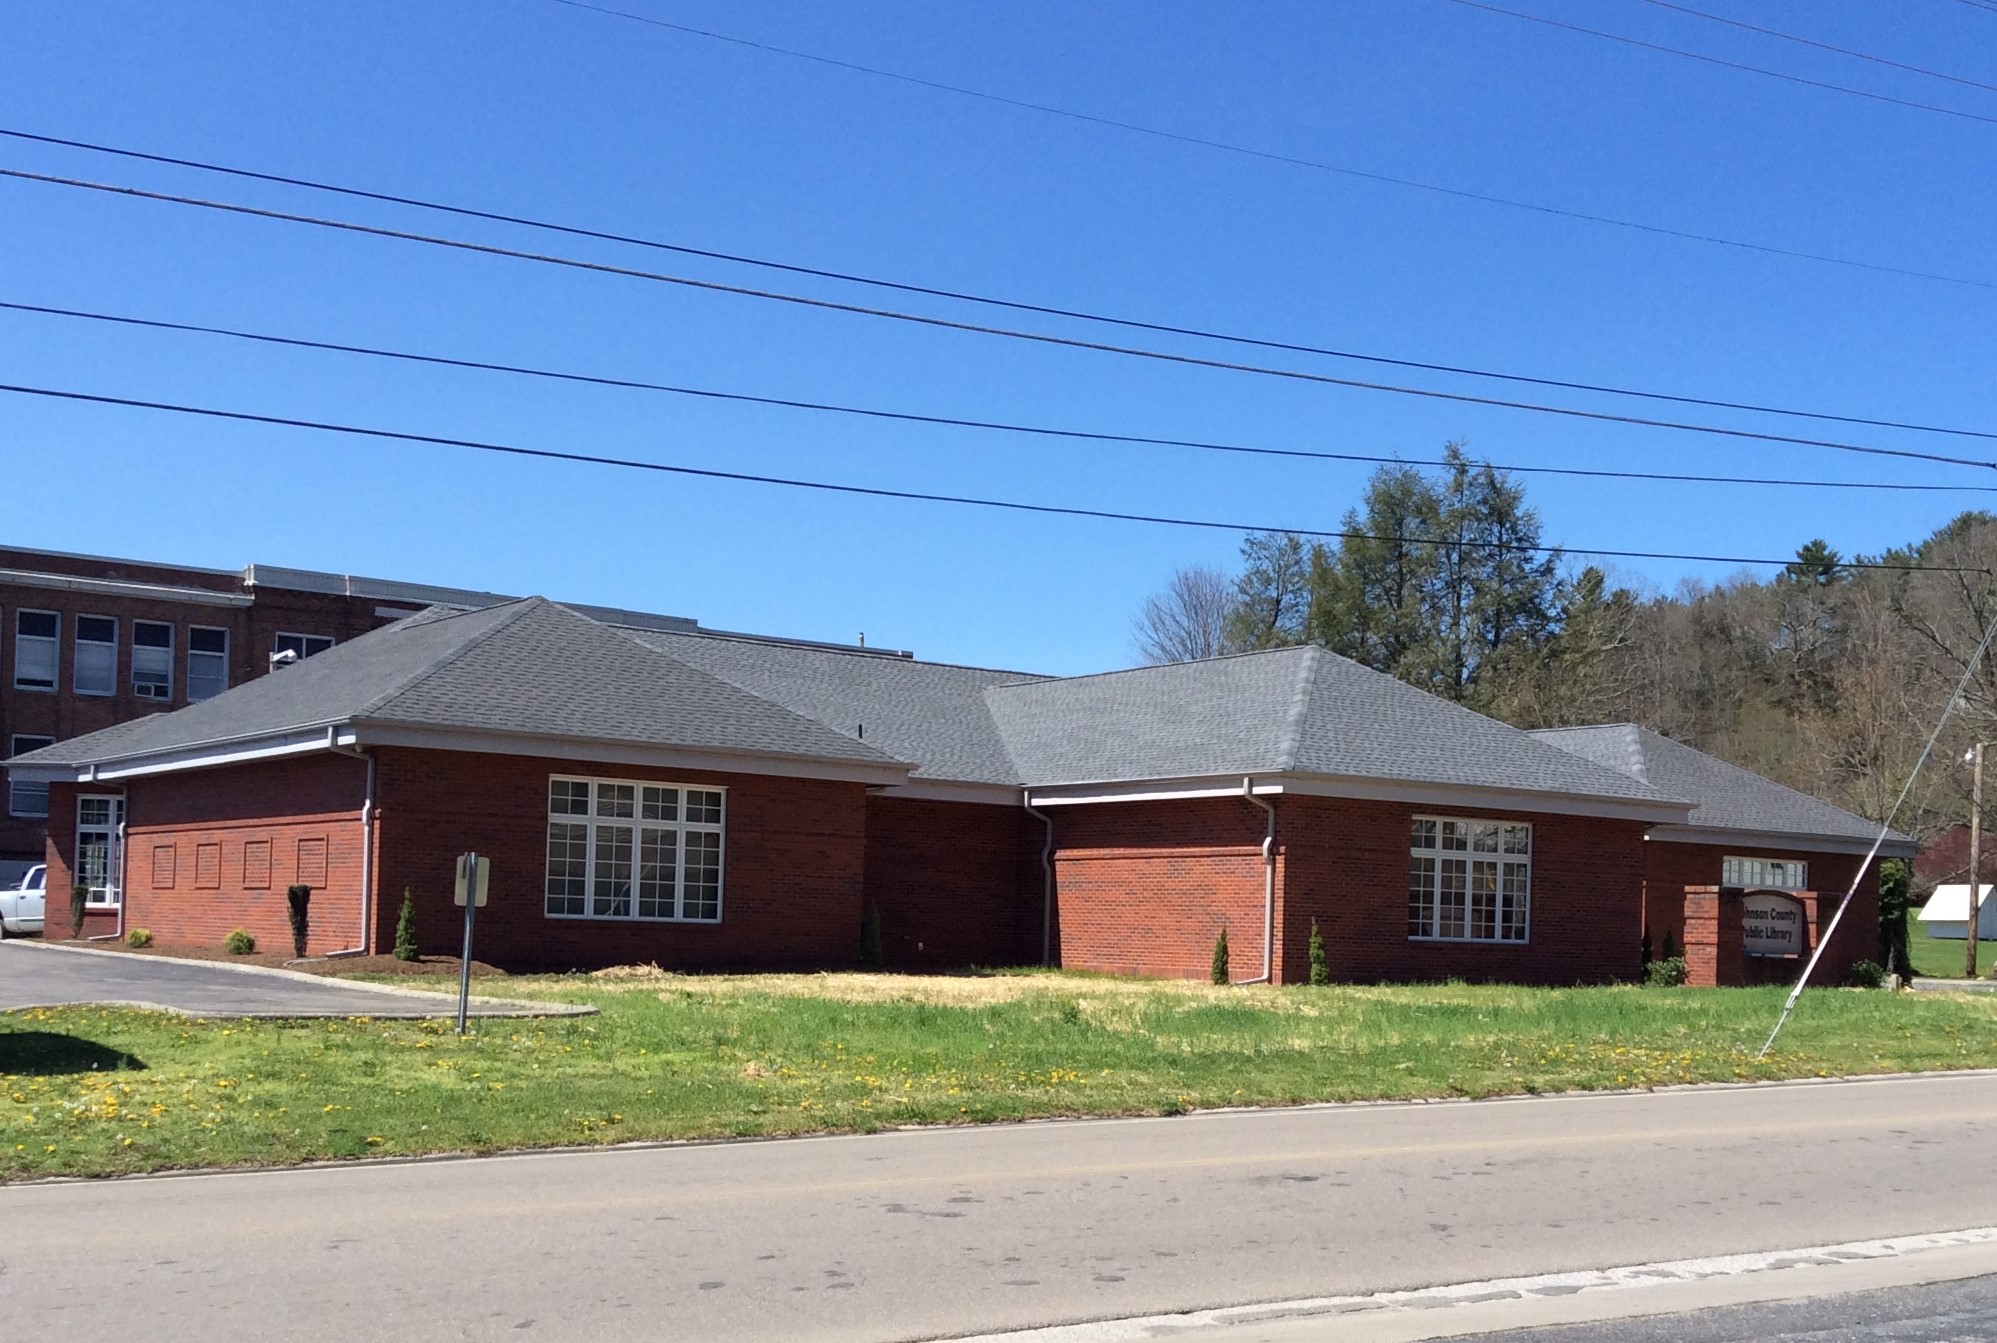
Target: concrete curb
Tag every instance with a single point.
(502, 1006)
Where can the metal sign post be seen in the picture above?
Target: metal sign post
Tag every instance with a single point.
(474, 873)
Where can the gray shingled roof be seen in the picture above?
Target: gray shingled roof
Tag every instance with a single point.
(1299, 710)
(530, 667)
(927, 712)
(1727, 797)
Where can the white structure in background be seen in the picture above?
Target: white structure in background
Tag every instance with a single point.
(1947, 913)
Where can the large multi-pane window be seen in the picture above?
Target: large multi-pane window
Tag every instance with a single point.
(96, 669)
(27, 797)
(100, 822)
(207, 662)
(633, 850)
(1469, 880)
(152, 659)
(35, 652)
(1775, 874)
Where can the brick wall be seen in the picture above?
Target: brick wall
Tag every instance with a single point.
(1144, 888)
(1345, 862)
(793, 865)
(957, 883)
(214, 850)
(1670, 868)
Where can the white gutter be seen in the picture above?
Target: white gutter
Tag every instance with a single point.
(1268, 886)
(367, 847)
(1046, 882)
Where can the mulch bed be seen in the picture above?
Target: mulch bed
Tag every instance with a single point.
(281, 960)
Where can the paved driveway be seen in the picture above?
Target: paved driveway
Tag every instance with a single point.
(35, 975)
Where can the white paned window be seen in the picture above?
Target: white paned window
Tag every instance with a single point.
(632, 850)
(1469, 880)
(152, 660)
(100, 826)
(35, 652)
(207, 662)
(96, 669)
(301, 645)
(25, 798)
(1775, 874)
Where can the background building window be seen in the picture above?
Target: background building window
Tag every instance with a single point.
(152, 660)
(301, 646)
(96, 669)
(35, 654)
(633, 850)
(26, 797)
(1469, 880)
(207, 662)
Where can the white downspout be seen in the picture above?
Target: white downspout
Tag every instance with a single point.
(367, 848)
(1268, 886)
(1046, 881)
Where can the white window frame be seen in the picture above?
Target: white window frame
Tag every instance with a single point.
(105, 896)
(1736, 870)
(35, 742)
(193, 679)
(594, 821)
(52, 641)
(109, 686)
(304, 642)
(1432, 841)
(159, 694)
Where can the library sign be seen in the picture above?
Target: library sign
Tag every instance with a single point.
(1773, 925)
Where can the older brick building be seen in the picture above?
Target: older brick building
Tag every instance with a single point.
(711, 801)
(88, 641)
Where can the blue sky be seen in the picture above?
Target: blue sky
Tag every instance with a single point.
(542, 109)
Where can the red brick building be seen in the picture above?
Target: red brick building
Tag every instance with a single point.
(87, 642)
(710, 801)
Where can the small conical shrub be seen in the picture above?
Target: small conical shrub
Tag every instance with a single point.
(1320, 967)
(1219, 973)
(405, 928)
(299, 898)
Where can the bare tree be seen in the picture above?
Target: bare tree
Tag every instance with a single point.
(1188, 620)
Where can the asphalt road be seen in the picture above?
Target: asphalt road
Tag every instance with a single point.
(33, 975)
(1934, 1313)
(922, 1234)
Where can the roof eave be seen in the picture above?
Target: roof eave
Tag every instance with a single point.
(1893, 846)
(1419, 792)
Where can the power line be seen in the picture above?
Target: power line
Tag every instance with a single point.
(1037, 337)
(1292, 160)
(1822, 46)
(918, 496)
(1718, 60)
(949, 421)
(1014, 305)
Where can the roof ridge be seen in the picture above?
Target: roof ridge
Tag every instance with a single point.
(1291, 733)
(1159, 666)
(520, 606)
(1638, 758)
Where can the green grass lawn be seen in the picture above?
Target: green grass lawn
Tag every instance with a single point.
(1942, 957)
(101, 1091)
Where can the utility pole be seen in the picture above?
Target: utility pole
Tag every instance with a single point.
(1975, 864)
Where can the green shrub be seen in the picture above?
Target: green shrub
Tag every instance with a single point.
(239, 943)
(1320, 967)
(1866, 974)
(1896, 881)
(405, 928)
(79, 896)
(138, 937)
(871, 954)
(299, 900)
(1218, 974)
(1666, 973)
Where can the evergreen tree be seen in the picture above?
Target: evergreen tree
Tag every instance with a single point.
(1218, 971)
(405, 928)
(1273, 594)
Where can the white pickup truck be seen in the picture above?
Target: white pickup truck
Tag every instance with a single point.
(21, 909)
